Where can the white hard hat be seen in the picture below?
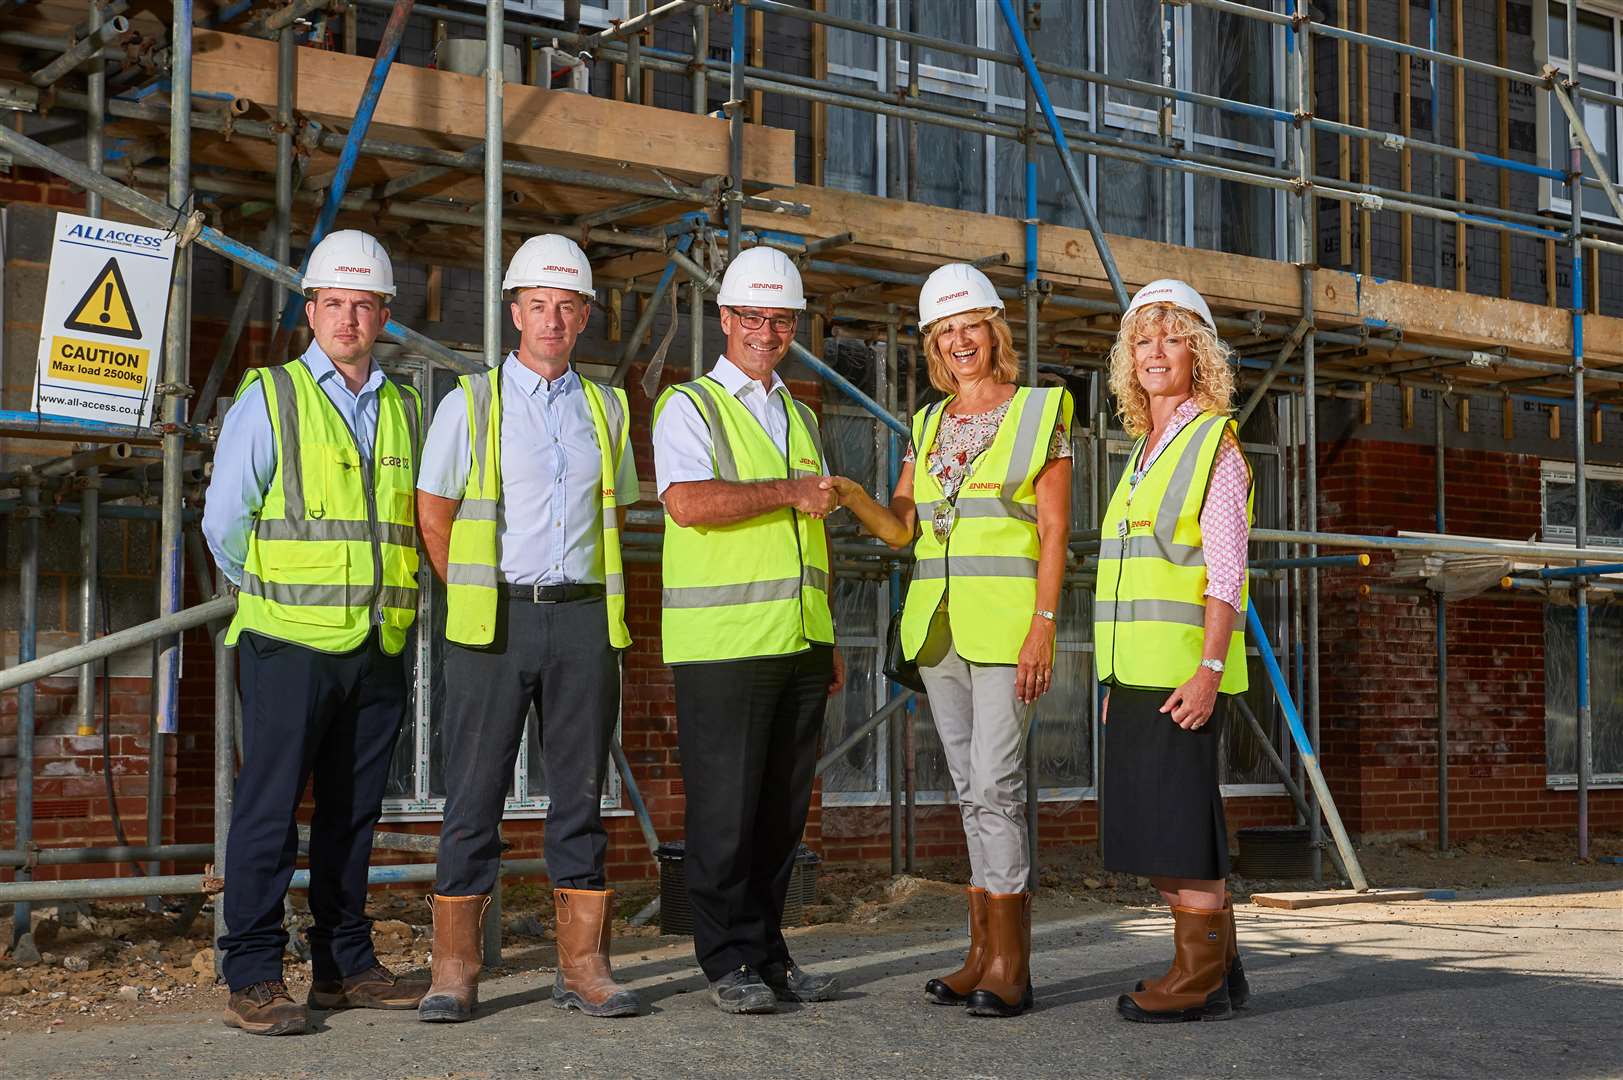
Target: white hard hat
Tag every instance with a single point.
(349, 259)
(549, 261)
(761, 277)
(955, 288)
(1174, 292)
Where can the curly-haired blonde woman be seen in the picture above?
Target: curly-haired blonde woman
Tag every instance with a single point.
(988, 476)
(1169, 636)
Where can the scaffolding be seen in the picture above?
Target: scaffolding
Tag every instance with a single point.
(652, 232)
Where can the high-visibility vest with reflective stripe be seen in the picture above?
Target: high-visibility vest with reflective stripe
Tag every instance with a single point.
(1149, 609)
(757, 587)
(473, 572)
(333, 550)
(987, 569)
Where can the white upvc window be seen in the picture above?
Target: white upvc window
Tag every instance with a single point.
(1600, 67)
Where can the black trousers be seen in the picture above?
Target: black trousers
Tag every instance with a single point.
(307, 713)
(558, 658)
(747, 730)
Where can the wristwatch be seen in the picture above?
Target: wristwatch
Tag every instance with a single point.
(1213, 665)
(1049, 615)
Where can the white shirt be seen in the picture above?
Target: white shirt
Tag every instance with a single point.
(682, 440)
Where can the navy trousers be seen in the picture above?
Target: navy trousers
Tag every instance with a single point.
(556, 657)
(748, 733)
(334, 717)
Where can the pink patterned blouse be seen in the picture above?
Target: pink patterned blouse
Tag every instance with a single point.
(962, 438)
(1223, 525)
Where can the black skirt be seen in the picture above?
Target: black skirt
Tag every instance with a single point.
(1161, 813)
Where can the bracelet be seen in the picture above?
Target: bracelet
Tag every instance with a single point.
(1049, 615)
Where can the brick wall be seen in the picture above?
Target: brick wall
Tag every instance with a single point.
(1378, 657)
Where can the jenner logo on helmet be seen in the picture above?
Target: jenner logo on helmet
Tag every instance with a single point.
(353, 269)
(952, 296)
(766, 285)
(562, 270)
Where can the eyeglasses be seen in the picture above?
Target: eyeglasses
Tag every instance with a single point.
(781, 324)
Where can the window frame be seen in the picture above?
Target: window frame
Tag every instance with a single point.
(1549, 200)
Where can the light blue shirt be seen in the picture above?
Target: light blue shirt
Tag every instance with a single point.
(549, 526)
(245, 456)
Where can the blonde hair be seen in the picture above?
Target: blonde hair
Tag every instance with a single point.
(1213, 378)
(1005, 361)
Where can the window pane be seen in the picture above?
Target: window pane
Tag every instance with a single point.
(1235, 61)
(1133, 47)
(852, 161)
(1594, 40)
(1604, 509)
(952, 169)
(1055, 203)
(1234, 217)
(952, 20)
(1062, 740)
(1061, 38)
(1558, 30)
(858, 768)
(1605, 688)
(847, 47)
(1132, 201)
(1600, 123)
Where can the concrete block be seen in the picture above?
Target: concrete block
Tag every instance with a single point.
(25, 292)
(29, 230)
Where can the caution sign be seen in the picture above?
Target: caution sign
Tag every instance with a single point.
(105, 306)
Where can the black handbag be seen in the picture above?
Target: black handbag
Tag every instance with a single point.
(899, 669)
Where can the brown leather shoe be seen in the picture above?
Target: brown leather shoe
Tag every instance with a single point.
(375, 988)
(1198, 986)
(454, 994)
(954, 989)
(1239, 986)
(1004, 988)
(585, 981)
(266, 1008)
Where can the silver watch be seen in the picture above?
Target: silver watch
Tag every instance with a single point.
(1214, 665)
(1049, 615)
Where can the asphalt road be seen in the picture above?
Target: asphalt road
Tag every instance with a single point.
(1500, 986)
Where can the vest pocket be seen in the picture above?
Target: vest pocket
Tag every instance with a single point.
(308, 582)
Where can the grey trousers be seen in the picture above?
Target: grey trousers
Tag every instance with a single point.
(983, 733)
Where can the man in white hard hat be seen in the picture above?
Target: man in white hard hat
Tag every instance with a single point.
(309, 515)
(747, 628)
(525, 475)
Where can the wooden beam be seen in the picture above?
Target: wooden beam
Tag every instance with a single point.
(445, 109)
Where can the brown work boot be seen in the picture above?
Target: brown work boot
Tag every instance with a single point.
(1239, 988)
(458, 922)
(266, 1008)
(375, 988)
(954, 989)
(584, 980)
(1004, 988)
(1198, 986)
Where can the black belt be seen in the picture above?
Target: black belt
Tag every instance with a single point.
(552, 594)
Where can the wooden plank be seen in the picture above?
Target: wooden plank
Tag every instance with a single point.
(1295, 901)
(444, 109)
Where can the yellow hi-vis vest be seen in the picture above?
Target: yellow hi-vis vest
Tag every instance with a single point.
(333, 551)
(1149, 609)
(987, 569)
(473, 566)
(758, 587)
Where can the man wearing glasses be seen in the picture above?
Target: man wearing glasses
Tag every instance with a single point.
(747, 630)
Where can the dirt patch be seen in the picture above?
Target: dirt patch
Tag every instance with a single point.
(118, 963)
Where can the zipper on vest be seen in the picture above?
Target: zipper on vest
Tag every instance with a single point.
(375, 604)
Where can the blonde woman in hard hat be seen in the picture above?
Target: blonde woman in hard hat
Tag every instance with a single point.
(992, 510)
(525, 476)
(1169, 638)
(309, 516)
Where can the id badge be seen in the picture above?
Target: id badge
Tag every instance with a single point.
(1121, 529)
(942, 520)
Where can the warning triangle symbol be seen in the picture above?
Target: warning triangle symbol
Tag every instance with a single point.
(105, 307)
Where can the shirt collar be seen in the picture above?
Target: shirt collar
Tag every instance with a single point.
(322, 368)
(530, 382)
(734, 379)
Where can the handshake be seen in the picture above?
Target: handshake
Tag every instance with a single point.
(819, 496)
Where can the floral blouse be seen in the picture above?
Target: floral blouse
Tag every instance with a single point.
(961, 439)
